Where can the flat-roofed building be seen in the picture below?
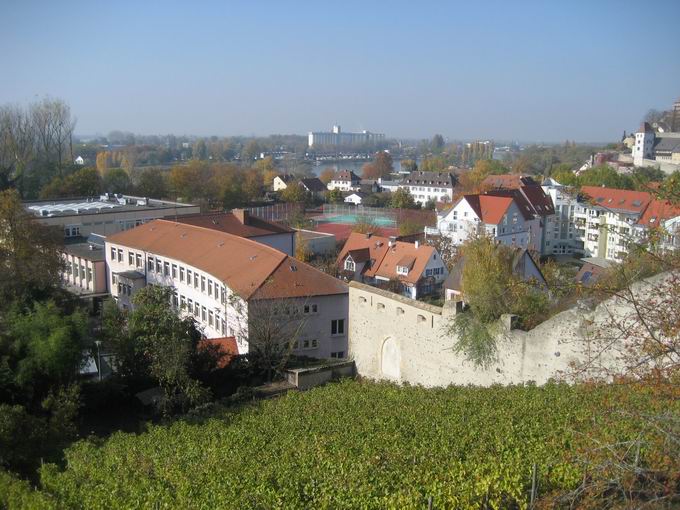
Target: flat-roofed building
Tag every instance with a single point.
(336, 137)
(228, 283)
(106, 214)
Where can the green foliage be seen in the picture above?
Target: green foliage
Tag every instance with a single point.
(169, 344)
(366, 445)
(476, 339)
(409, 227)
(151, 182)
(334, 196)
(18, 494)
(402, 199)
(294, 193)
(84, 182)
(409, 165)
(365, 225)
(116, 180)
(45, 348)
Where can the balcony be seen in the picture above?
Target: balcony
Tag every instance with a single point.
(432, 231)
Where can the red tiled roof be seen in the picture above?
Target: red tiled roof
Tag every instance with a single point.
(618, 199)
(488, 208)
(658, 211)
(508, 181)
(226, 348)
(250, 269)
(530, 190)
(230, 223)
(405, 254)
(377, 246)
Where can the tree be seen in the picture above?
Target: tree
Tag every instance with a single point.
(151, 182)
(410, 227)
(200, 150)
(383, 164)
(437, 143)
(302, 251)
(334, 196)
(103, 162)
(294, 193)
(326, 175)
(30, 252)
(116, 180)
(81, 183)
(129, 160)
(408, 165)
(192, 180)
(402, 199)
(251, 151)
(365, 225)
(170, 345)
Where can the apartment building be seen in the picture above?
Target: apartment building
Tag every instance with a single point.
(430, 186)
(508, 219)
(561, 236)
(607, 219)
(228, 283)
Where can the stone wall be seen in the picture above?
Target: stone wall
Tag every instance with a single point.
(396, 338)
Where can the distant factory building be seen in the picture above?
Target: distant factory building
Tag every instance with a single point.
(337, 138)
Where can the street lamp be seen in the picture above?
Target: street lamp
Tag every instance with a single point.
(99, 359)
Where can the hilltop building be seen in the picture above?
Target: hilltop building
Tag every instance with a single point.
(336, 137)
(653, 148)
(226, 282)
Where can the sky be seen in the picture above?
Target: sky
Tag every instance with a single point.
(509, 70)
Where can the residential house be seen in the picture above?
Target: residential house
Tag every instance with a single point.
(345, 180)
(508, 219)
(386, 185)
(356, 197)
(530, 196)
(314, 187)
(240, 222)
(592, 270)
(523, 266)
(281, 181)
(665, 217)
(80, 161)
(411, 269)
(226, 283)
(427, 186)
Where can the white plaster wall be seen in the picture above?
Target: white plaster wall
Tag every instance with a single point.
(424, 350)
(284, 242)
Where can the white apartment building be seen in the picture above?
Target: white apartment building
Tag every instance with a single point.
(345, 180)
(562, 236)
(226, 283)
(499, 217)
(426, 186)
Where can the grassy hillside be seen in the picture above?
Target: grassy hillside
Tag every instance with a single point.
(359, 445)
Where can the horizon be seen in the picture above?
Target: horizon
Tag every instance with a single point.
(531, 73)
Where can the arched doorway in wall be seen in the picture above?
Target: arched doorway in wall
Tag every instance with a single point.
(390, 360)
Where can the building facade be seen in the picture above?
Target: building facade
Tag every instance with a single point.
(430, 186)
(229, 285)
(336, 137)
(345, 180)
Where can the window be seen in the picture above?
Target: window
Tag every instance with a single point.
(197, 309)
(113, 254)
(89, 274)
(150, 263)
(310, 309)
(120, 255)
(400, 311)
(210, 318)
(203, 313)
(174, 271)
(402, 270)
(182, 302)
(195, 280)
(315, 343)
(159, 266)
(381, 307)
(202, 283)
(188, 276)
(305, 344)
(421, 318)
(139, 260)
(349, 265)
(72, 231)
(210, 288)
(338, 327)
(175, 299)
(166, 268)
(181, 274)
(131, 258)
(190, 305)
(339, 354)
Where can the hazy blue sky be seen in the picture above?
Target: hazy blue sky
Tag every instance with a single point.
(546, 70)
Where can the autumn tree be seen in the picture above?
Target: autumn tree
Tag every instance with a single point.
(103, 162)
(408, 165)
(437, 143)
(152, 182)
(30, 252)
(334, 196)
(84, 182)
(326, 175)
(402, 199)
(294, 193)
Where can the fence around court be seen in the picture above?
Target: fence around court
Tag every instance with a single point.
(347, 213)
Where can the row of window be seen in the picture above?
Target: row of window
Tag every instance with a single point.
(398, 310)
(191, 278)
(434, 271)
(201, 313)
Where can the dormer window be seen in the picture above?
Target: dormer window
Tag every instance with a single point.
(402, 270)
(350, 265)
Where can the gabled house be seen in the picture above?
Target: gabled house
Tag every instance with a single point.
(281, 181)
(411, 269)
(523, 266)
(356, 198)
(345, 180)
(313, 186)
(508, 219)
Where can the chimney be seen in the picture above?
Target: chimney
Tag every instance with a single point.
(368, 235)
(417, 244)
(242, 215)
